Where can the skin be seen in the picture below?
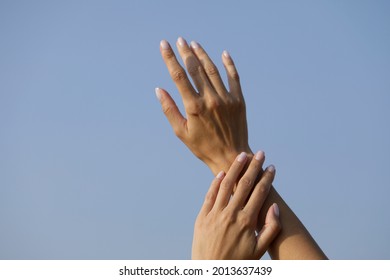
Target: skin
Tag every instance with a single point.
(226, 226)
(214, 128)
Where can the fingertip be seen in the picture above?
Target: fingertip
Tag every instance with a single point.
(164, 45)
(226, 54)
(162, 95)
(181, 42)
(158, 93)
(194, 45)
(220, 175)
(275, 208)
(271, 168)
(260, 155)
(242, 157)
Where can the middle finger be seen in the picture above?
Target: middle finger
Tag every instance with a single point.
(194, 67)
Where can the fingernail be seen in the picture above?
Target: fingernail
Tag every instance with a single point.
(220, 174)
(158, 93)
(164, 45)
(259, 155)
(276, 209)
(226, 54)
(241, 157)
(181, 42)
(271, 168)
(195, 45)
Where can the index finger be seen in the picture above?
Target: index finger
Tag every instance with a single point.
(226, 188)
(212, 193)
(177, 72)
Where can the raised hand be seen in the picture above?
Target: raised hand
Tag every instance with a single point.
(214, 126)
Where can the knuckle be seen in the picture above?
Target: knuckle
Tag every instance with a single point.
(246, 221)
(210, 196)
(169, 54)
(167, 110)
(276, 226)
(246, 182)
(226, 184)
(267, 178)
(263, 189)
(234, 75)
(236, 105)
(193, 70)
(178, 75)
(228, 217)
(214, 103)
(211, 70)
(256, 165)
(194, 108)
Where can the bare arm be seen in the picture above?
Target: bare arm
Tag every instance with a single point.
(215, 130)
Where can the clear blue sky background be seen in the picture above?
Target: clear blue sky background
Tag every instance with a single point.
(90, 168)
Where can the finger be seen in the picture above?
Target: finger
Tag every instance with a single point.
(178, 74)
(209, 67)
(212, 193)
(247, 181)
(269, 231)
(194, 67)
(225, 191)
(171, 111)
(260, 192)
(232, 74)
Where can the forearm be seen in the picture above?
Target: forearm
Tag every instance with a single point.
(293, 241)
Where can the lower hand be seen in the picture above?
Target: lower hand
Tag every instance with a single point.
(226, 226)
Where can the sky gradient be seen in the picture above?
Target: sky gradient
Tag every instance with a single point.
(90, 168)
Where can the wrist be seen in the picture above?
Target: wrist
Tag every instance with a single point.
(223, 162)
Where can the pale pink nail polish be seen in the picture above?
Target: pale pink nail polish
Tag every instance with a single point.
(158, 93)
(220, 174)
(181, 42)
(226, 54)
(276, 209)
(194, 45)
(259, 155)
(241, 157)
(271, 168)
(164, 45)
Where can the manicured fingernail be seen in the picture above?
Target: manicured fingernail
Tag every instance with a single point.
(226, 54)
(220, 174)
(271, 168)
(259, 155)
(181, 42)
(276, 209)
(158, 93)
(195, 45)
(241, 157)
(164, 45)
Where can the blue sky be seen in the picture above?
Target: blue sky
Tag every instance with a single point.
(90, 168)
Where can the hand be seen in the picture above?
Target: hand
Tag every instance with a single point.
(226, 226)
(215, 127)
(215, 130)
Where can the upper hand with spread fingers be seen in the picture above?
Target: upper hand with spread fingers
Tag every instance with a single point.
(214, 126)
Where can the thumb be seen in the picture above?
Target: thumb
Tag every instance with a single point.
(269, 231)
(172, 112)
